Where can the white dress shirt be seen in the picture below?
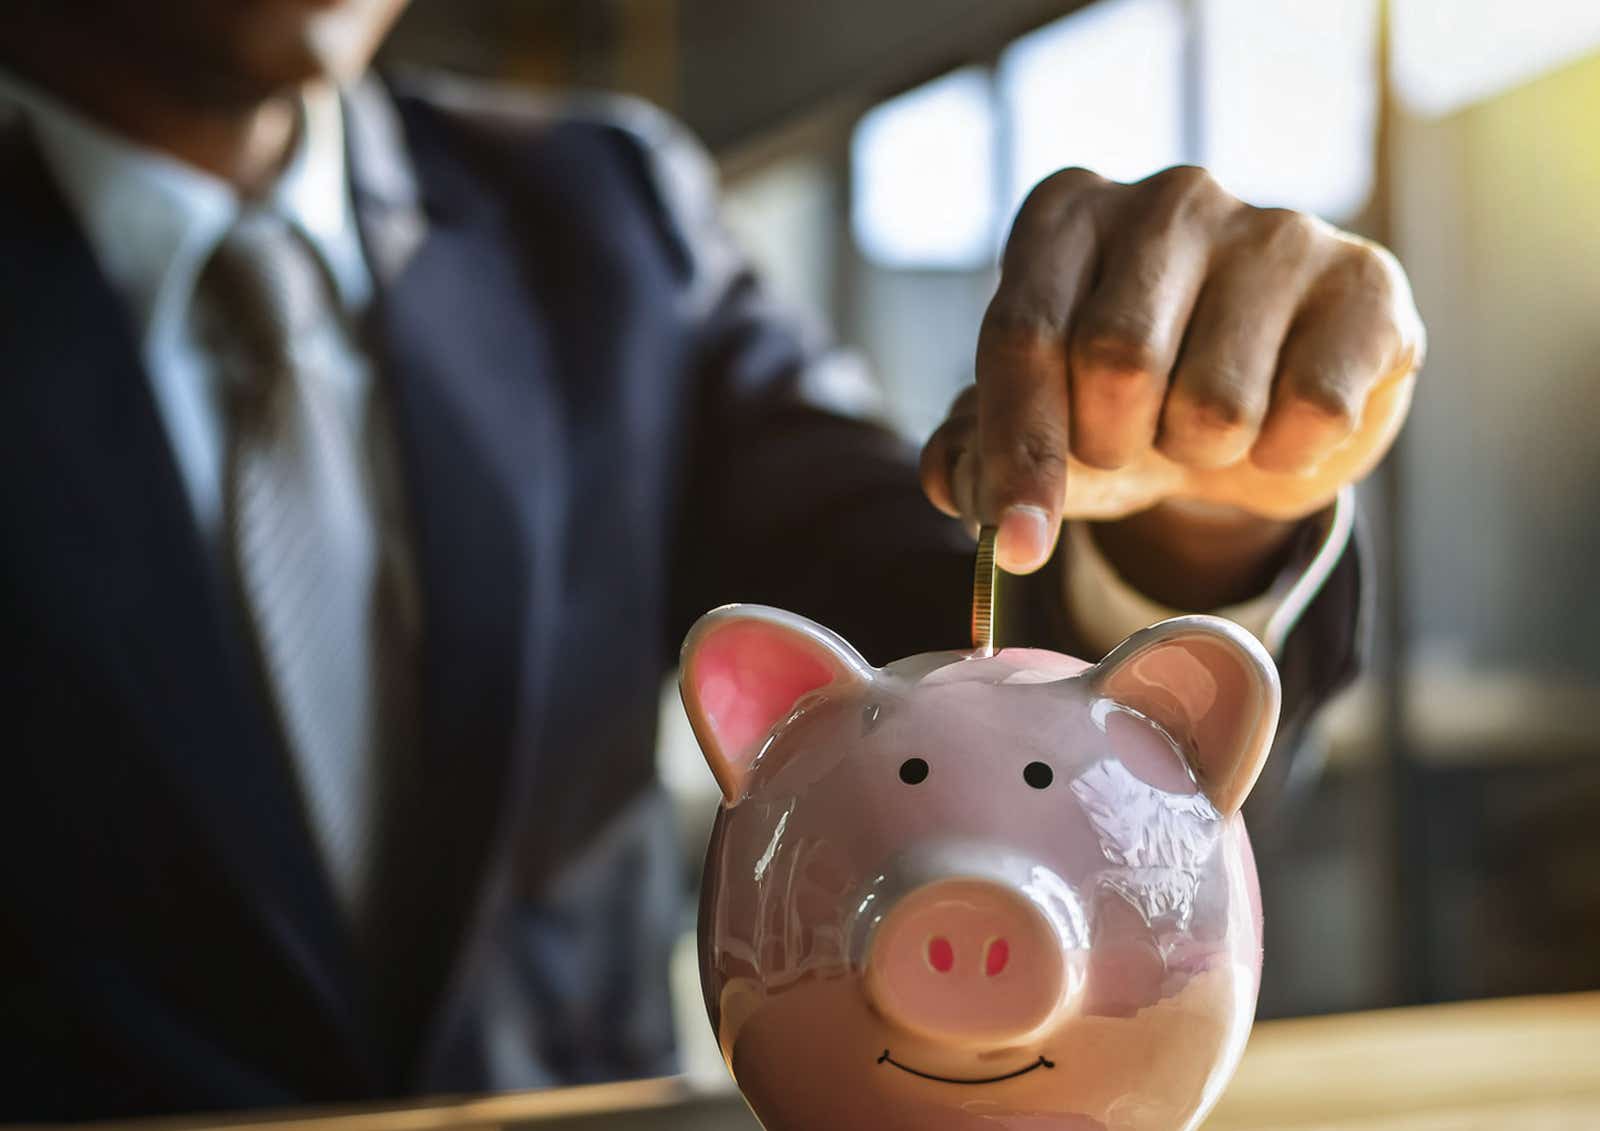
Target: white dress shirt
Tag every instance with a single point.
(1105, 608)
(153, 221)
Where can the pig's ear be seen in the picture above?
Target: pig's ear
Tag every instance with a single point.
(1212, 687)
(743, 669)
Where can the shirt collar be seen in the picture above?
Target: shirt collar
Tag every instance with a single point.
(314, 193)
(153, 221)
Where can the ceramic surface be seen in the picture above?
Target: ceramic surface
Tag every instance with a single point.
(972, 894)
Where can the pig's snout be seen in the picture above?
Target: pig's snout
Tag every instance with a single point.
(967, 961)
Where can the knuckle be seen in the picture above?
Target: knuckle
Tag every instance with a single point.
(1282, 231)
(1012, 324)
(1366, 269)
(1102, 454)
(955, 432)
(1272, 454)
(1323, 398)
(1055, 198)
(1185, 190)
(1121, 350)
(1184, 180)
(1215, 410)
(965, 406)
(1065, 185)
(1030, 454)
(1010, 315)
(1181, 202)
(941, 473)
(1041, 454)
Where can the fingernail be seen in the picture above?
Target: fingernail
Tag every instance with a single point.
(1024, 540)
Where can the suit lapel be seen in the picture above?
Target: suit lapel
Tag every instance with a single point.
(116, 544)
(459, 339)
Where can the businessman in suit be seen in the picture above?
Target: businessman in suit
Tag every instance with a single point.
(367, 446)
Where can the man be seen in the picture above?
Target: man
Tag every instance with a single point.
(367, 449)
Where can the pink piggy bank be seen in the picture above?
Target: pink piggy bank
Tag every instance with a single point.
(965, 893)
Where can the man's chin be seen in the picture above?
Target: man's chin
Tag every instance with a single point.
(343, 35)
(280, 45)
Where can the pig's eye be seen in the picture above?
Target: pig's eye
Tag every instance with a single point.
(1038, 775)
(913, 771)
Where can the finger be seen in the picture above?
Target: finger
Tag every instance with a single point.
(1222, 386)
(964, 486)
(1342, 341)
(1020, 463)
(1022, 432)
(965, 404)
(945, 450)
(1126, 335)
(948, 447)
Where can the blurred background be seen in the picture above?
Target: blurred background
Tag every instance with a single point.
(873, 153)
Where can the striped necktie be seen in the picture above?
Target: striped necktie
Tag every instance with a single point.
(303, 539)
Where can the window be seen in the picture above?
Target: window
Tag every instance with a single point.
(1451, 53)
(1101, 88)
(923, 186)
(1290, 101)
(1284, 109)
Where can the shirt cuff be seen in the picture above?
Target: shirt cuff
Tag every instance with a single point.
(1106, 609)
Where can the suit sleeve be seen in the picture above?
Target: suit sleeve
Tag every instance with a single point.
(796, 495)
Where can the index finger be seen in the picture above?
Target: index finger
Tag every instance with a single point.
(1024, 404)
(1023, 432)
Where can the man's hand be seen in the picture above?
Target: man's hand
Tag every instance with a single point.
(1160, 342)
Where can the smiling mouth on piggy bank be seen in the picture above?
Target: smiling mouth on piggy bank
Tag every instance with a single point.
(1042, 1062)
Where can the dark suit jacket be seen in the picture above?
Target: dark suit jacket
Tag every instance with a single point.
(605, 430)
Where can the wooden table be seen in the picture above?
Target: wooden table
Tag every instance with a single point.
(1524, 1064)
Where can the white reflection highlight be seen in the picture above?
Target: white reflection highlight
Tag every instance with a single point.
(772, 847)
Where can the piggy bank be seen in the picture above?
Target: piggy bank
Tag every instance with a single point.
(966, 893)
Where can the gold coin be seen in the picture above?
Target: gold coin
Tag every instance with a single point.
(983, 579)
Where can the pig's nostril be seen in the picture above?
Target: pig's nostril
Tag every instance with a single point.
(967, 962)
(995, 956)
